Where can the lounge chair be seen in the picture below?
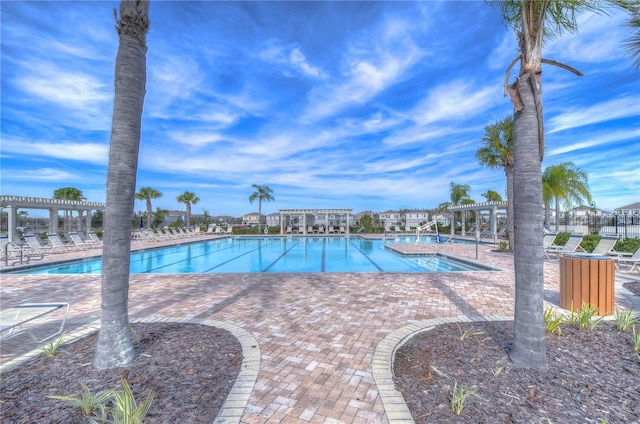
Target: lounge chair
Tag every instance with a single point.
(630, 263)
(289, 230)
(35, 244)
(218, 230)
(572, 245)
(605, 245)
(56, 241)
(14, 252)
(13, 321)
(342, 230)
(78, 242)
(229, 230)
(548, 240)
(94, 238)
(310, 229)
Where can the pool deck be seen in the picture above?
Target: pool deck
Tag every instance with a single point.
(318, 346)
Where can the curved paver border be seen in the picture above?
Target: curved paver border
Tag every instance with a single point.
(237, 399)
(382, 365)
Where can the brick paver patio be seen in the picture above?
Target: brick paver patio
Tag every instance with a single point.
(316, 333)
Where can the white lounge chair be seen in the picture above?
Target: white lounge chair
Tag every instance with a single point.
(605, 245)
(94, 238)
(23, 318)
(629, 263)
(548, 239)
(80, 243)
(572, 245)
(14, 253)
(34, 243)
(56, 241)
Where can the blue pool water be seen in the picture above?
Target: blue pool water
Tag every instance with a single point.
(272, 254)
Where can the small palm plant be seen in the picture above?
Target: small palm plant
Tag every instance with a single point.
(86, 402)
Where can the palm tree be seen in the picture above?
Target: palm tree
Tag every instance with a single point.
(457, 193)
(564, 183)
(492, 196)
(68, 193)
(633, 43)
(188, 198)
(533, 21)
(262, 192)
(148, 193)
(497, 152)
(114, 347)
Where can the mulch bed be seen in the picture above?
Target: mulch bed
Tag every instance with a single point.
(593, 376)
(190, 367)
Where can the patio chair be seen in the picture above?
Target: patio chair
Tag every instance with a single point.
(310, 229)
(604, 246)
(630, 263)
(548, 239)
(18, 253)
(289, 230)
(94, 238)
(13, 321)
(56, 241)
(572, 246)
(79, 243)
(34, 242)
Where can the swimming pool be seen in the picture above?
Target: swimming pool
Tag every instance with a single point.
(271, 254)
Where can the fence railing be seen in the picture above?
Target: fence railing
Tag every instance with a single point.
(626, 226)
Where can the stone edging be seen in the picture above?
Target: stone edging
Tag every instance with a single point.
(238, 397)
(382, 364)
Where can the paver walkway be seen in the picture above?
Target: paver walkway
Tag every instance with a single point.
(317, 333)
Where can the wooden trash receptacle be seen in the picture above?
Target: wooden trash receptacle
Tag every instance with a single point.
(587, 278)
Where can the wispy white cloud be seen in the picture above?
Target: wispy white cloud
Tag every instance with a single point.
(94, 153)
(291, 58)
(596, 140)
(63, 87)
(608, 110)
(42, 175)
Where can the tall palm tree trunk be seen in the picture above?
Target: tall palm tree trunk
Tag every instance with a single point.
(529, 332)
(558, 214)
(149, 213)
(114, 347)
(510, 207)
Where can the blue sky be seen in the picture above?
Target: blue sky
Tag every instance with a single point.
(363, 105)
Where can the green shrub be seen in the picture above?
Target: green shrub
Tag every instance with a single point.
(561, 239)
(629, 245)
(589, 242)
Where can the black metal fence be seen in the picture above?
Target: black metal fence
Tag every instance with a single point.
(626, 226)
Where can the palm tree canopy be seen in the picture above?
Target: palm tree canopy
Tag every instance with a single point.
(147, 193)
(497, 145)
(262, 192)
(492, 196)
(459, 192)
(189, 198)
(68, 193)
(633, 43)
(565, 182)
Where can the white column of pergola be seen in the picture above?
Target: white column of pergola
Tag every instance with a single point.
(492, 207)
(13, 203)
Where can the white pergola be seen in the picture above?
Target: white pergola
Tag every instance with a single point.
(316, 212)
(13, 203)
(492, 207)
